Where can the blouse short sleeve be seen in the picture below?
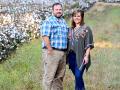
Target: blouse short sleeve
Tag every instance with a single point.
(89, 38)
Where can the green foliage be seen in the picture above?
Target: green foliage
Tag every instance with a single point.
(76, 5)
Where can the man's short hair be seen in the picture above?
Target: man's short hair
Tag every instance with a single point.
(56, 4)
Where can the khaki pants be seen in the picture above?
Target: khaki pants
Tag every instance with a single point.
(54, 70)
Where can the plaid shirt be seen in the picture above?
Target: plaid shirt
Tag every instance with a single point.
(57, 31)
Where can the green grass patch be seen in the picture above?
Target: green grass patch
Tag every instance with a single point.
(22, 70)
(105, 24)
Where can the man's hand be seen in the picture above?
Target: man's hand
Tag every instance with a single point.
(50, 51)
(47, 42)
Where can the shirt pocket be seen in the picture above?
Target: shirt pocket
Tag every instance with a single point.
(60, 30)
(55, 29)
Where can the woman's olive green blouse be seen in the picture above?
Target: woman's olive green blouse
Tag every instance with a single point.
(79, 40)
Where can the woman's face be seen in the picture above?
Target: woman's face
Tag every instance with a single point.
(77, 18)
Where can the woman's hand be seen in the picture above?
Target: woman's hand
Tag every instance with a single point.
(86, 56)
(85, 60)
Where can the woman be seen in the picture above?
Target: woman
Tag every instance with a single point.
(80, 44)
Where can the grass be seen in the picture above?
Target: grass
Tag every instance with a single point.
(23, 70)
(103, 73)
(105, 24)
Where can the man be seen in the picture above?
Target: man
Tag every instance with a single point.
(54, 43)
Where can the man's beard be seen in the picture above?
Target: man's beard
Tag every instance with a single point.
(58, 16)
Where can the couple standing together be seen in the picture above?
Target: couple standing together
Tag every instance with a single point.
(57, 39)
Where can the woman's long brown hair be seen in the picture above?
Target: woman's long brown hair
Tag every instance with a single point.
(82, 16)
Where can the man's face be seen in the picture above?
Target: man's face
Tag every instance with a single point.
(57, 11)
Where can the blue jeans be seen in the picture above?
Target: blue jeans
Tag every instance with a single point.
(78, 72)
(79, 82)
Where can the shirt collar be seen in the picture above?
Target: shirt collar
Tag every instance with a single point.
(55, 18)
